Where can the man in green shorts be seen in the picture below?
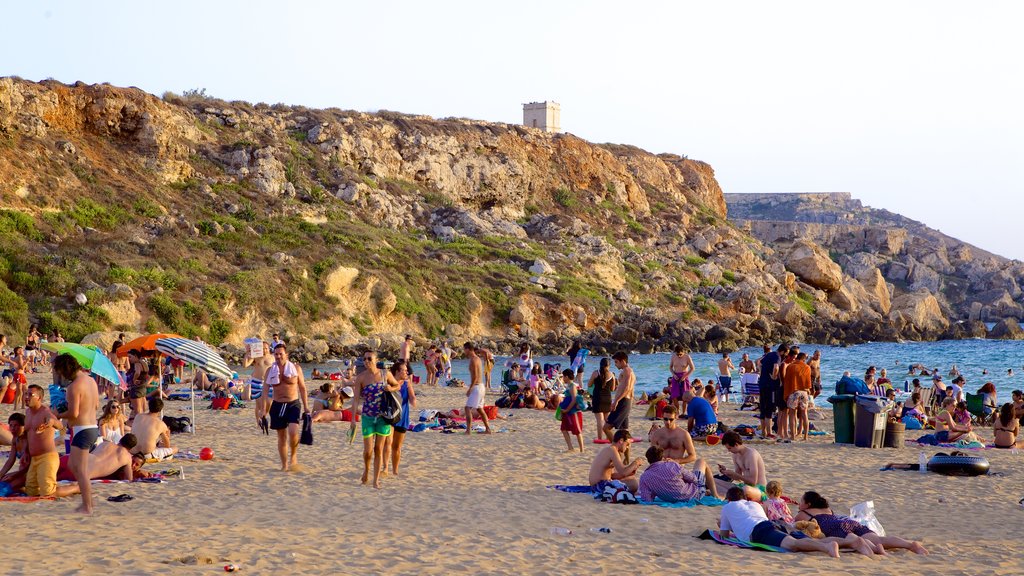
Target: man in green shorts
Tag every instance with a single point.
(750, 472)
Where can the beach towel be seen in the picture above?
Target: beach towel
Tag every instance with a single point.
(705, 501)
(584, 489)
(606, 441)
(929, 439)
(733, 541)
(306, 436)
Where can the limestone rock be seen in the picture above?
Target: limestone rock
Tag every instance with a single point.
(317, 348)
(338, 281)
(1007, 329)
(812, 264)
(521, 314)
(922, 311)
(541, 267)
(118, 291)
(122, 313)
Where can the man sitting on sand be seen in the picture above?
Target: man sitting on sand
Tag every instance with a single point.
(668, 481)
(748, 521)
(151, 432)
(750, 471)
(106, 461)
(608, 464)
(676, 443)
(40, 423)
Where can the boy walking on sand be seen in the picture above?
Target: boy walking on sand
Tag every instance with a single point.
(572, 415)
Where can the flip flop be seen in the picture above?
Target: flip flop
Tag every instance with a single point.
(120, 498)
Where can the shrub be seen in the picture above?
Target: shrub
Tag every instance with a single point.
(805, 301)
(564, 197)
(694, 260)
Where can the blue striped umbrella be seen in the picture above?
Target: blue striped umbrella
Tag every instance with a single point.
(197, 353)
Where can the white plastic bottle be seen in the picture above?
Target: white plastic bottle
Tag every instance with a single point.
(922, 462)
(558, 531)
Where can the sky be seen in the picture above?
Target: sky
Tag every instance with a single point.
(912, 106)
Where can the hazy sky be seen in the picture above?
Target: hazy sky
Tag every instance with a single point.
(911, 106)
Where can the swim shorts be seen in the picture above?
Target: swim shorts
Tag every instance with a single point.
(476, 397)
(284, 413)
(619, 417)
(85, 438)
(761, 487)
(798, 400)
(765, 533)
(41, 479)
(374, 426)
(705, 430)
(726, 383)
(159, 454)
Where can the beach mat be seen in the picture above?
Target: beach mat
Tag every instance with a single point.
(584, 489)
(705, 501)
(731, 541)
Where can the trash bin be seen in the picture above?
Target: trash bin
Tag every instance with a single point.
(894, 434)
(869, 427)
(842, 417)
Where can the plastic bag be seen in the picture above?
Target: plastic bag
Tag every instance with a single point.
(865, 514)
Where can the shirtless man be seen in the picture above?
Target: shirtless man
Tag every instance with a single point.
(83, 401)
(289, 387)
(750, 472)
(608, 463)
(256, 390)
(681, 366)
(676, 443)
(476, 391)
(725, 369)
(40, 423)
(747, 366)
(815, 364)
(153, 436)
(622, 402)
(405, 350)
(108, 460)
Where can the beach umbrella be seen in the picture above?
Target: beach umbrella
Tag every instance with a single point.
(144, 344)
(90, 357)
(198, 354)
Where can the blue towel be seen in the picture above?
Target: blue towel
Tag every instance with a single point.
(573, 489)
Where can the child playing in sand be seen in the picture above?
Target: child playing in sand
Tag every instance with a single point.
(775, 507)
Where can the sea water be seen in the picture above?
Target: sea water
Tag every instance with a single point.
(970, 356)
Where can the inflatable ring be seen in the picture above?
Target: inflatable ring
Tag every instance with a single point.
(958, 464)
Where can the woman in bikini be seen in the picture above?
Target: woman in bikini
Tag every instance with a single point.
(430, 363)
(1007, 428)
(814, 507)
(946, 428)
(112, 422)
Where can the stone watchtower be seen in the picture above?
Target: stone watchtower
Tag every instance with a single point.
(544, 115)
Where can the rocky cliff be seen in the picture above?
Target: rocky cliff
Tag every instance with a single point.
(225, 219)
(969, 283)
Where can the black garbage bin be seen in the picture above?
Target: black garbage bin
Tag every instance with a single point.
(869, 424)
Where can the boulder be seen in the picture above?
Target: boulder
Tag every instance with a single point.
(317, 348)
(1007, 329)
(119, 291)
(521, 314)
(877, 289)
(921, 310)
(812, 264)
(791, 314)
(625, 334)
(541, 267)
(122, 313)
(104, 339)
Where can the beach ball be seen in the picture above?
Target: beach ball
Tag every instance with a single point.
(206, 454)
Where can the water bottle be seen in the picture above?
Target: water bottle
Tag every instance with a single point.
(557, 531)
(602, 530)
(922, 462)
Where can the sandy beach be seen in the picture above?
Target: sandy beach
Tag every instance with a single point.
(480, 504)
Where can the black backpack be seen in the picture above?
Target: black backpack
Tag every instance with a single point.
(390, 407)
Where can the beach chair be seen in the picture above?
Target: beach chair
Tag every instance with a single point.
(926, 399)
(751, 391)
(976, 406)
